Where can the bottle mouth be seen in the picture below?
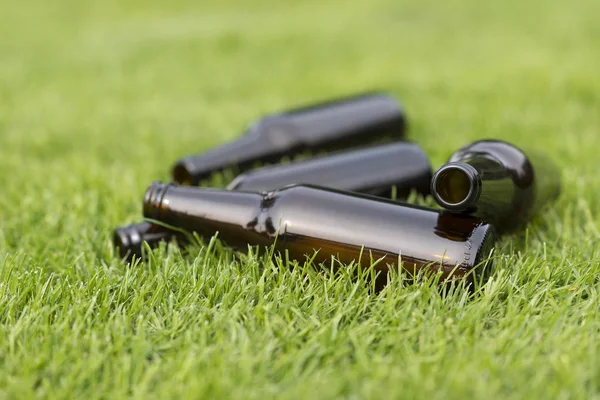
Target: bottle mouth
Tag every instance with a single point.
(127, 240)
(182, 174)
(456, 186)
(154, 199)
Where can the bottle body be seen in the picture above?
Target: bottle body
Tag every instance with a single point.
(337, 124)
(374, 170)
(496, 181)
(306, 221)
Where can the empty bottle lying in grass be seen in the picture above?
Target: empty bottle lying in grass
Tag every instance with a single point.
(129, 240)
(311, 222)
(375, 170)
(339, 124)
(497, 182)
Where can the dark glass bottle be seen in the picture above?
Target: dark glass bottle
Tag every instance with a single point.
(374, 170)
(128, 240)
(497, 182)
(335, 125)
(303, 219)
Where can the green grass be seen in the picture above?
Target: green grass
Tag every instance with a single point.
(99, 97)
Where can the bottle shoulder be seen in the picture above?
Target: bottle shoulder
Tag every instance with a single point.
(277, 130)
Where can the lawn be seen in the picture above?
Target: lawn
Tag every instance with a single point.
(98, 98)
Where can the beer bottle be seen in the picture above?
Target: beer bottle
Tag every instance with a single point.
(374, 170)
(309, 221)
(128, 240)
(334, 125)
(497, 182)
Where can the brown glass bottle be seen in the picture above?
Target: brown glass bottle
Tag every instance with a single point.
(301, 220)
(497, 182)
(374, 170)
(128, 240)
(334, 125)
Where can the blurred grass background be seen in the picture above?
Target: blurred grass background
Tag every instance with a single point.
(98, 98)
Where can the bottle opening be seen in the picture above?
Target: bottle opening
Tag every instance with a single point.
(122, 242)
(181, 175)
(453, 185)
(456, 186)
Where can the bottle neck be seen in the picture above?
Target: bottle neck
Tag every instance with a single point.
(242, 153)
(203, 210)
